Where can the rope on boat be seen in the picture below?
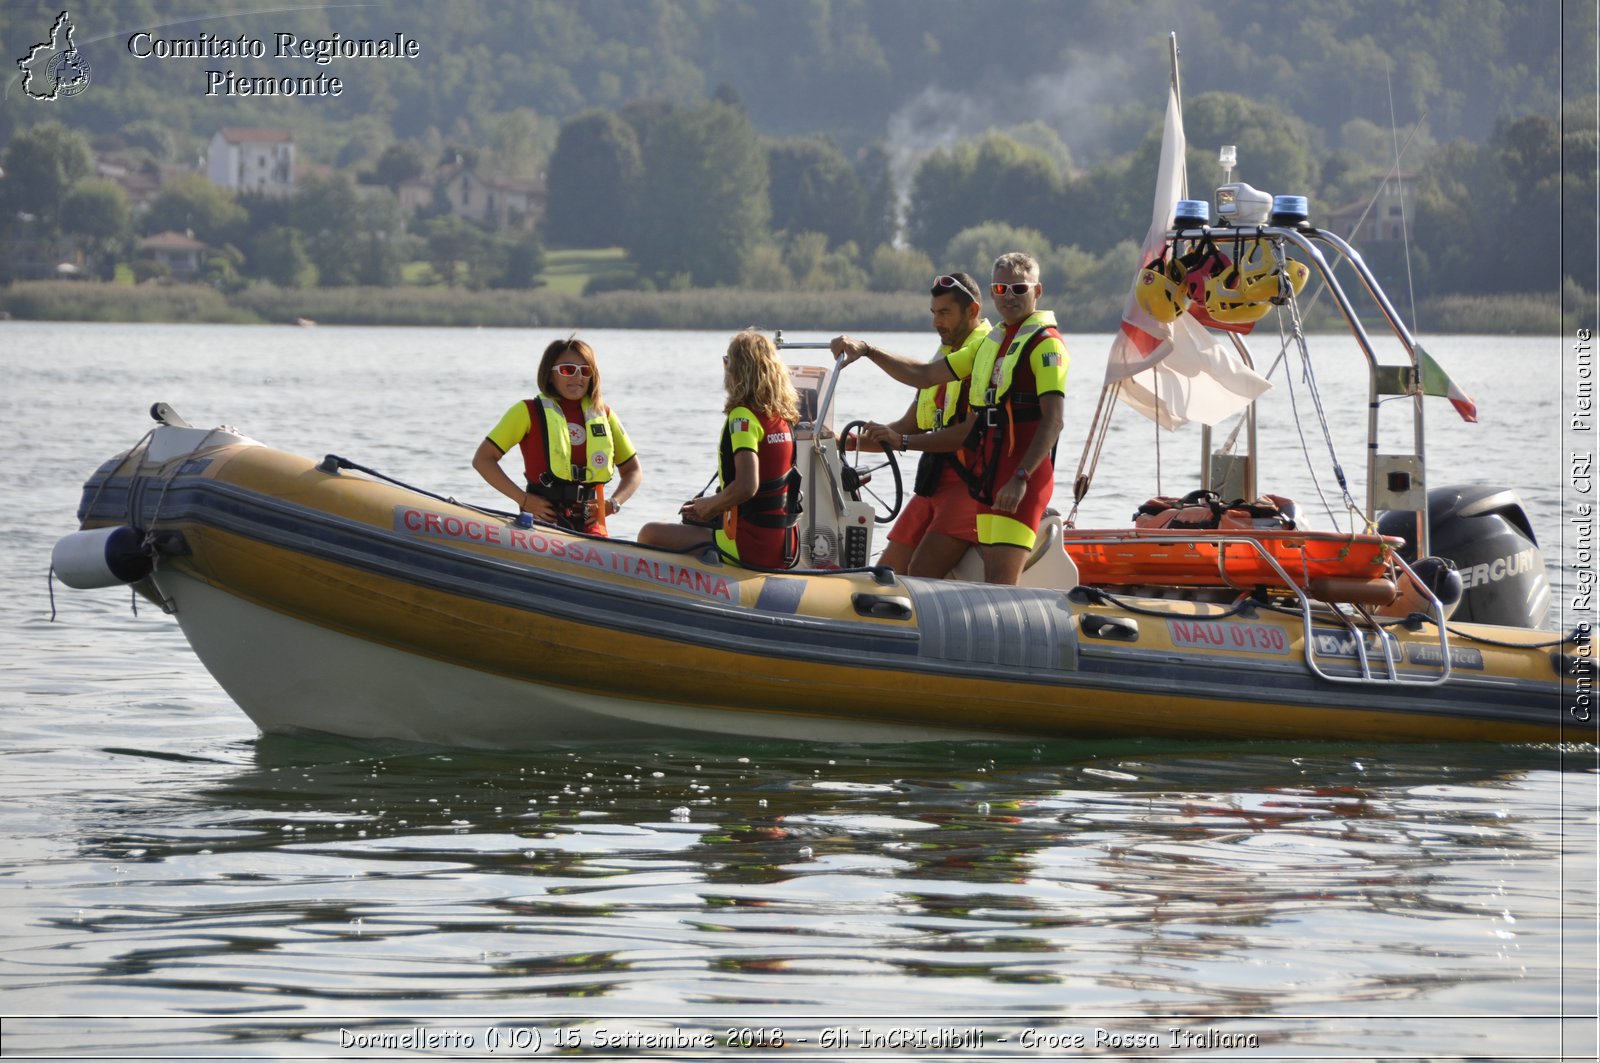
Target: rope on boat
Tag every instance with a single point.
(50, 587)
(1092, 448)
(50, 577)
(1297, 335)
(1416, 620)
(120, 466)
(166, 485)
(331, 462)
(1570, 639)
(880, 573)
(1100, 596)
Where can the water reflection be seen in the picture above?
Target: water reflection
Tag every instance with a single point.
(250, 896)
(960, 876)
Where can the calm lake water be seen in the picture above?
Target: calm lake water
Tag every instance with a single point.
(175, 885)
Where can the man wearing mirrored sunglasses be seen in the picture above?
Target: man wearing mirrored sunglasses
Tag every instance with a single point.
(1016, 398)
(940, 522)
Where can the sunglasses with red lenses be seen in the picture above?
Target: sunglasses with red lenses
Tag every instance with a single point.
(1017, 287)
(567, 369)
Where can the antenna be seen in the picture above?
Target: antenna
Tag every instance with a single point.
(1177, 93)
(1228, 156)
(1400, 188)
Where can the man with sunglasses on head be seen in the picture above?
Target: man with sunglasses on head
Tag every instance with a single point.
(1016, 401)
(940, 520)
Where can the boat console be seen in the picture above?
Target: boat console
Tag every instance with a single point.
(1416, 555)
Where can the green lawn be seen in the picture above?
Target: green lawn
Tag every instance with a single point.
(415, 272)
(565, 272)
(568, 271)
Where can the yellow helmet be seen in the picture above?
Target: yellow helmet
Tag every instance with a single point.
(1203, 264)
(1261, 270)
(1225, 306)
(1160, 292)
(1245, 291)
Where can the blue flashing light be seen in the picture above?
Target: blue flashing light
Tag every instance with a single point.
(1289, 210)
(1191, 213)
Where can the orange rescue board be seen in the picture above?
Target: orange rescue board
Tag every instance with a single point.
(1232, 558)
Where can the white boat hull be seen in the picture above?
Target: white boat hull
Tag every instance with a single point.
(292, 677)
(333, 603)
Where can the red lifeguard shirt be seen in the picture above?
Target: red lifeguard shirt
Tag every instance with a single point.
(772, 438)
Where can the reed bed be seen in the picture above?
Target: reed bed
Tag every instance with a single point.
(706, 308)
(90, 301)
(1500, 315)
(440, 307)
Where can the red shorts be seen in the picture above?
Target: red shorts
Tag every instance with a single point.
(1021, 527)
(951, 511)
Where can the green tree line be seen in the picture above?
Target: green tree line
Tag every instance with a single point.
(500, 74)
(698, 198)
(325, 234)
(709, 188)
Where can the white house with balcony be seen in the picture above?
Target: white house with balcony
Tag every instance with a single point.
(252, 160)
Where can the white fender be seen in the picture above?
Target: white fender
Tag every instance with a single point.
(104, 557)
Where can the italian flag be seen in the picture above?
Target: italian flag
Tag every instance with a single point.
(1435, 381)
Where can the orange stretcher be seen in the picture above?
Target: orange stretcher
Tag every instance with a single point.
(1328, 565)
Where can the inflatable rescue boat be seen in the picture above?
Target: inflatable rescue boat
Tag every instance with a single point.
(328, 599)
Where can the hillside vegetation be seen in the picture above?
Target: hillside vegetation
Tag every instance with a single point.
(807, 149)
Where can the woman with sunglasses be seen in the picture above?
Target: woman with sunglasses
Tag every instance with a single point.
(572, 445)
(753, 517)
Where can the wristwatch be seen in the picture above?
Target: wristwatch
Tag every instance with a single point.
(1021, 473)
(902, 442)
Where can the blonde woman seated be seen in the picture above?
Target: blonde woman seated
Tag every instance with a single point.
(752, 518)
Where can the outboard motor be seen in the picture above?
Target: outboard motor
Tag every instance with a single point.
(1485, 533)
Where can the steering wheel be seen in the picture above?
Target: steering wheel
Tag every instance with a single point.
(856, 473)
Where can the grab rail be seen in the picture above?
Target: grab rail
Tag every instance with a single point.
(1355, 626)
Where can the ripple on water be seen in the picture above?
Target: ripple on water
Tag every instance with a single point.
(162, 861)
